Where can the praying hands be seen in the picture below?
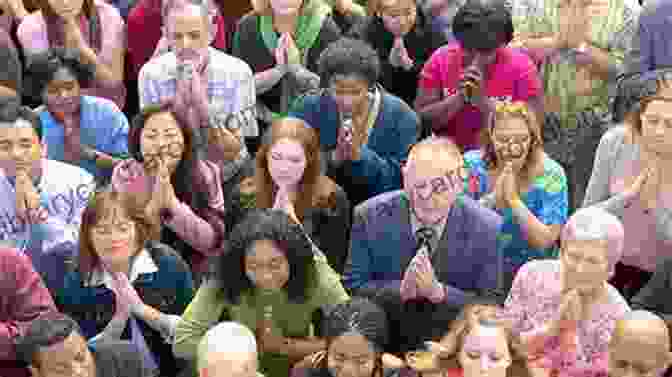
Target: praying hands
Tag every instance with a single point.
(163, 196)
(28, 200)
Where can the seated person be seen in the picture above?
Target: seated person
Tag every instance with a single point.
(54, 345)
(513, 175)
(213, 90)
(168, 183)
(630, 178)
(461, 81)
(93, 28)
(123, 275)
(23, 298)
(429, 244)
(282, 41)
(404, 38)
(640, 346)
(270, 281)
(478, 345)
(288, 169)
(42, 199)
(89, 132)
(554, 304)
(365, 132)
(356, 333)
(228, 350)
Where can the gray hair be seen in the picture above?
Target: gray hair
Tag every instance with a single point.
(227, 337)
(206, 6)
(595, 224)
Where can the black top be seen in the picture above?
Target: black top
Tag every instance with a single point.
(253, 51)
(655, 296)
(420, 43)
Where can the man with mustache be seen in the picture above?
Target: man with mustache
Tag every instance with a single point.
(42, 200)
(214, 90)
(429, 243)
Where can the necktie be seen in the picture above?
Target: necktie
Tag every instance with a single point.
(425, 237)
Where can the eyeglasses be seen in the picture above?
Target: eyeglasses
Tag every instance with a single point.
(520, 140)
(451, 181)
(398, 13)
(653, 122)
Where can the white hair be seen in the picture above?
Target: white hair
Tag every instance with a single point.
(206, 6)
(227, 338)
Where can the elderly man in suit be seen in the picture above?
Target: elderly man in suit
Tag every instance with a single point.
(427, 249)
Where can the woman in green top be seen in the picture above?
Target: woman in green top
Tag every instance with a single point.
(271, 281)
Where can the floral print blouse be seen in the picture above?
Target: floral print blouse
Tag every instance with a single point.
(547, 199)
(535, 299)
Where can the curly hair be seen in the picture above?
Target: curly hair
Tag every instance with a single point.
(288, 236)
(520, 110)
(483, 25)
(43, 66)
(482, 314)
(348, 56)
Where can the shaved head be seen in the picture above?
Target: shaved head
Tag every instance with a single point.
(640, 345)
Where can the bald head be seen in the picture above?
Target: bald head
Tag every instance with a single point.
(228, 349)
(640, 342)
(432, 148)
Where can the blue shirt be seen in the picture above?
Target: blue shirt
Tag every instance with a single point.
(103, 127)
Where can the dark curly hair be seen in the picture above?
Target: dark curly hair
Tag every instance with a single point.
(348, 56)
(483, 24)
(288, 236)
(44, 65)
(361, 316)
(11, 111)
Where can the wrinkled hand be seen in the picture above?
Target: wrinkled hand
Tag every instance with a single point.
(570, 312)
(428, 285)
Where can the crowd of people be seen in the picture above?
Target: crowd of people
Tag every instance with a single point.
(327, 188)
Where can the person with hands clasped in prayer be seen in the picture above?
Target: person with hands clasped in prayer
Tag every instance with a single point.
(365, 133)
(513, 175)
(430, 246)
(288, 177)
(90, 132)
(558, 306)
(42, 199)
(271, 282)
(93, 28)
(631, 179)
(461, 81)
(169, 184)
(281, 40)
(126, 285)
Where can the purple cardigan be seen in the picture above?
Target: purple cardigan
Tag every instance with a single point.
(382, 245)
(652, 44)
(23, 298)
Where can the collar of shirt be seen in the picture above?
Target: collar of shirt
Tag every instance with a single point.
(143, 263)
(439, 227)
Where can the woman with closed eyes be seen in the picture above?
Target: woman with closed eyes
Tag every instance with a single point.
(514, 176)
(288, 177)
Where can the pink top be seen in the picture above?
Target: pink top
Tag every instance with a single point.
(534, 300)
(512, 77)
(129, 176)
(32, 35)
